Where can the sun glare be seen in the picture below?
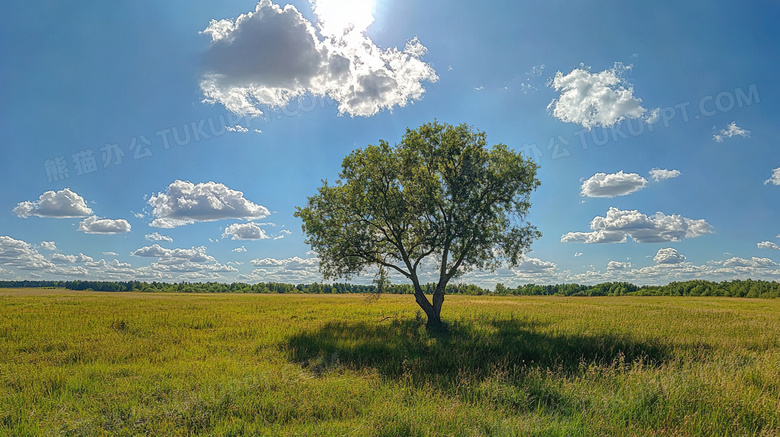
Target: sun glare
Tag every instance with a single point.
(339, 15)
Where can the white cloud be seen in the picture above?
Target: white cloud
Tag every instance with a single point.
(619, 224)
(768, 245)
(533, 266)
(775, 179)
(244, 231)
(192, 267)
(110, 254)
(294, 263)
(731, 130)
(660, 174)
(577, 254)
(156, 236)
(18, 253)
(174, 256)
(594, 237)
(70, 259)
(61, 204)
(237, 128)
(273, 55)
(617, 265)
(239, 249)
(737, 262)
(291, 270)
(612, 185)
(95, 225)
(184, 203)
(668, 255)
(48, 245)
(283, 233)
(594, 99)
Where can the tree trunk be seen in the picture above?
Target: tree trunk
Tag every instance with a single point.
(432, 311)
(434, 320)
(434, 315)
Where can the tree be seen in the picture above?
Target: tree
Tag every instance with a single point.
(439, 196)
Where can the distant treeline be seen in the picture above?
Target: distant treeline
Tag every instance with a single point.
(736, 288)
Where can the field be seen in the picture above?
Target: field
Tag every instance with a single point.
(88, 363)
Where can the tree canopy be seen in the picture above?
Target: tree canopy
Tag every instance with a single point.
(440, 195)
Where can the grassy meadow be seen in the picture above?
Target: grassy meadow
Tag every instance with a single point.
(88, 363)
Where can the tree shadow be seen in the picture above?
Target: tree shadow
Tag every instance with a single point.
(477, 349)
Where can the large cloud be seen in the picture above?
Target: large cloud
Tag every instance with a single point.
(612, 185)
(71, 259)
(21, 254)
(292, 270)
(95, 225)
(174, 256)
(534, 266)
(273, 55)
(742, 263)
(619, 224)
(184, 203)
(668, 255)
(768, 245)
(61, 204)
(594, 99)
(617, 265)
(245, 231)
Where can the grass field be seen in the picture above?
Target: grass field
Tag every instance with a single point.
(87, 363)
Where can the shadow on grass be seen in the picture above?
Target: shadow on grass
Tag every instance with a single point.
(478, 349)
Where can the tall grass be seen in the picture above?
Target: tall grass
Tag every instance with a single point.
(75, 363)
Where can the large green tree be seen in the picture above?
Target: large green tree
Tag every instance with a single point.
(439, 198)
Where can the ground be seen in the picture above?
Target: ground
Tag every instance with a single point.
(88, 363)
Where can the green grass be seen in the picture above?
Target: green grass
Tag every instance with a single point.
(82, 363)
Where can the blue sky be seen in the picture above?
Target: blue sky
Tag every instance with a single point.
(173, 140)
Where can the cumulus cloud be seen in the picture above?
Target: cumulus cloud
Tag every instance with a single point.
(48, 245)
(617, 265)
(244, 231)
(595, 99)
(156, 236)
(754, 262)
(731, 130)
(661, 174)
(668, 255)
(272, 55)
(775, 179)
(174, 256)
(20, 254)
(239, 249)
(768, 245)
(534, 265)
(619, 224)
(294, 263)
(110, 254)
(60, 204)
(185, 203)
(612, 185)
(95, 225)
(294, 269)
(70, 259)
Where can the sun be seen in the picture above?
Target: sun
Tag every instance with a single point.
(337, 16)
